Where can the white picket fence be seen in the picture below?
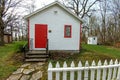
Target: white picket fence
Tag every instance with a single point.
(99, 71)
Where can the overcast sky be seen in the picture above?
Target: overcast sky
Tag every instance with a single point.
(41, 3)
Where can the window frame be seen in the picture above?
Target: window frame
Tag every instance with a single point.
(65, 27)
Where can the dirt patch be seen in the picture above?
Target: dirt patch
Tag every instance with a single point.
(90, 56)
(61, 55)
(16, 58)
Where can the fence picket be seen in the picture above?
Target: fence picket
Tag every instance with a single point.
(57, 73)
(72, 72)
(64, 72)
(86, 71)
(104, 71)
(50, 72)
(79, 77)
(99, 70)
(110, 71)
(115, 70)
(118, 74)
(93, 71)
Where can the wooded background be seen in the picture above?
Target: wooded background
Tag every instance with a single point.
(101, 18)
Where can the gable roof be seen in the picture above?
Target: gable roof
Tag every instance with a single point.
(52, 4)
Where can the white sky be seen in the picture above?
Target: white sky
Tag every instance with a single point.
(41, 3)
(38, 5)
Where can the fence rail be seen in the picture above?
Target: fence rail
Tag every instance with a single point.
(99, 71)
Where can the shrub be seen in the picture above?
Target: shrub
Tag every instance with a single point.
(108, 43)
(117, 45)
(19, 47)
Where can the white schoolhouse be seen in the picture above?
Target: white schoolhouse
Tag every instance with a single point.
(56, 25)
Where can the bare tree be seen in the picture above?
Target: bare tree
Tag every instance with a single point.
(80, 7)
(116, 14)
(11, 24)
(103, 8)
(109, 29)
(103, 12)
(7, 8)
(30, 7)
(93, 24)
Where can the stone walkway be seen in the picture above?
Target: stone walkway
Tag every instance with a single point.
(28, 71)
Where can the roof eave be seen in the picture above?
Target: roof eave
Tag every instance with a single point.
(47, 6)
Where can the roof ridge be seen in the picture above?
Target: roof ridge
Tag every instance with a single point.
(49, 5)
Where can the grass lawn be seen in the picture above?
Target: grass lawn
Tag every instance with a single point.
(88, 52)
(107, 50)
(10, 60)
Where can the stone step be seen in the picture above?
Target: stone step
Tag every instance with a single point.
(37, 51)
(35, 60)
(37, 56)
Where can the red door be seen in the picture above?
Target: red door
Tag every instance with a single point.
(40, 35)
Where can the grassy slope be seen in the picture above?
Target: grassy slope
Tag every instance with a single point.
(88, 52)
(8, 64)
(111, 51)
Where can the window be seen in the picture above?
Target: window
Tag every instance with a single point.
(67, 31)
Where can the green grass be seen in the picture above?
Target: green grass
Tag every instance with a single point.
(88, 53)
(100, 49)
(9, 59)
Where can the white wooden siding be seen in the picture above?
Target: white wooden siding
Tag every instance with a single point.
(56, 24)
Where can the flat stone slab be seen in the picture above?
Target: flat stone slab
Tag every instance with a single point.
(36, 76)
(20, 70)
(38, 67)
(28, 71)
(25, 65)
(25, 77)
(40, 63)
(15, 77)
(32, 66)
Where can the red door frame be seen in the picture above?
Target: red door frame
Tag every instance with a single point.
(80, 40)
(40, 35)
(28, 34)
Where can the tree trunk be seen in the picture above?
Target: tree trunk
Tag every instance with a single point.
(11, 32)
(1, 32)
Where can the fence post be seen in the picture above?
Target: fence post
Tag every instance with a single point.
(57, 73)
(99, 70)
(86, 71)
(104, 71)
(72, 72)
(93, 71)
(64, 72)
(115, 70)
(79, 77)
(50, 72)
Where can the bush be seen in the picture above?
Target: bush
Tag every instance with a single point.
(19, 47)
(108, 43)
(117, 45)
